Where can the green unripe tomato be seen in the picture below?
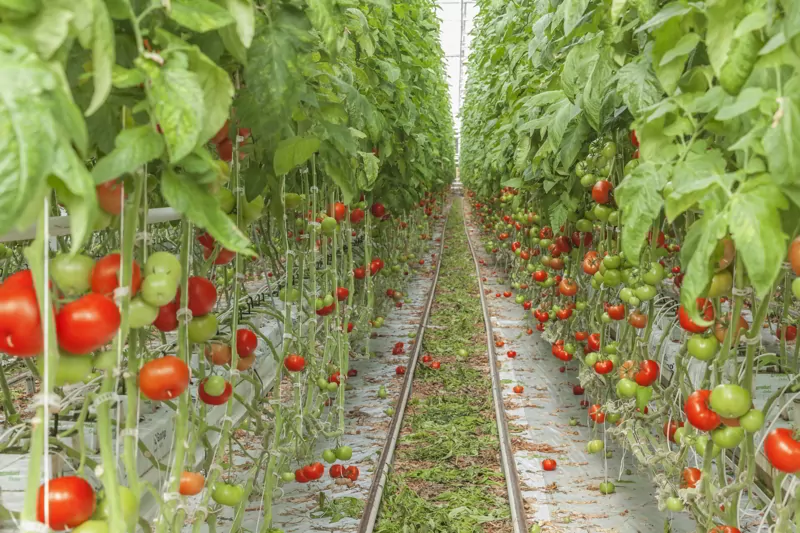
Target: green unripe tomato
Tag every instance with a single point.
(595, 446)
(613, 418)
(225, 199)
(329, 456)
(344, 453)
(796, 287)
(72, 273)
(674, 503)
(700, 447)
(680, 433)
(702, 348)
(607, 487)
(730, 401)
(71, 368)
(626, 388)
(287, 476)
(332, 387)
(625, 294)
(382, 392)
(573, 421)
(202, 328)
(162, 263)
(645, 292)
(225, 494)
(329, 225)
(727, 438)
(752, 420)
(214, 385)
(141, 314)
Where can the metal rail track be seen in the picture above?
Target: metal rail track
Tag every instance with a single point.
(375, 495)
(518, 519)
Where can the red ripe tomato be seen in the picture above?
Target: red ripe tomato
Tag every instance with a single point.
(512, 354)
(546, 233)
(637, 319)
(106, 274)
(110, 196)
(524, 255)
(791, 333)
(568, 287)
(314, 471)
(540, 276)
(591, 265)
(549, 465)
(349, 327)
(782, 450)
(634, 139)
(70, 502)
(164, 378)
(225, 150)
(375, 266)
(300, 476)
(167, 319)
(706, 310)
(336, 471)
(576, 238)
(246, 342)
(337, 211)
(604, 367)
(222, 134)
(635, 154)
(295, 363)
(206, 240)
(201, 296)
(427, 358)
(564, 314)
(351, 473)
(616, 312)
(518, 389)
(224, 256)
(342, 293)
(581, 336)
(596, 413)
(698, 412)
(334, 378)
(191, 483)
(356, 216)
(647, 374)
(562, 244)
(359, 272)
(378, 210)
(20, 321)
(689, 477)
(400, 370)
(593, 343)
(577, 390)
(214, 400)
(725, 529)
(670, 428)
(86, 324)
(601, 192)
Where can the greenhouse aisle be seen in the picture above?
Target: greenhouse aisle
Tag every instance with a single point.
(567, 499)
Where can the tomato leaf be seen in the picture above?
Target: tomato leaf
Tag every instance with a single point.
(133, 148)
(76, 189)
(28, 132)
(693, 179)
(103, 55)
(721, 22)
(668, 12)
(255, 181)
(572, 142)
(293, 152)
(596, 92)
(202, 209)
(697, 253)
(640, 203)
(747, 100)
(638, 85)
(756, 229)
(669, 56)
(782, 141)
(242, 12)
(199, 15)
(578, 65)
(371, 165)
(177, 102)
(124, 78)
(573, 12)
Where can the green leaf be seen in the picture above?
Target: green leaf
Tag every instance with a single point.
(124, 78)
(574, 138)
(176, 100)
(755, 223)
(693, 179)
(719, 33)
(233, 43)
(196, 203)
(682, 48)
(668, 12)
(617, 8)
(48, 29)
(322, 14)
(578, 65)
(293, 152)
(638, 86)
(255, 181)
(103, 55)
(640, 203)
(747, 100)
(76, 190)
(133, 148)
(371, 165)
(543, 99)
(782, 142)
(513, 182)
(752, 22)
(573, 12)
(697, 253)
(200, 15)
(28, 132)
(244, 15)
(558, 214)
(596, 90)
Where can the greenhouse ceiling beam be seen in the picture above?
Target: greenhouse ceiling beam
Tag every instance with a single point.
(60, 225)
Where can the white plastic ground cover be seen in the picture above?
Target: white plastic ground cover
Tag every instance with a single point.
(296, 507)
(567, 499)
